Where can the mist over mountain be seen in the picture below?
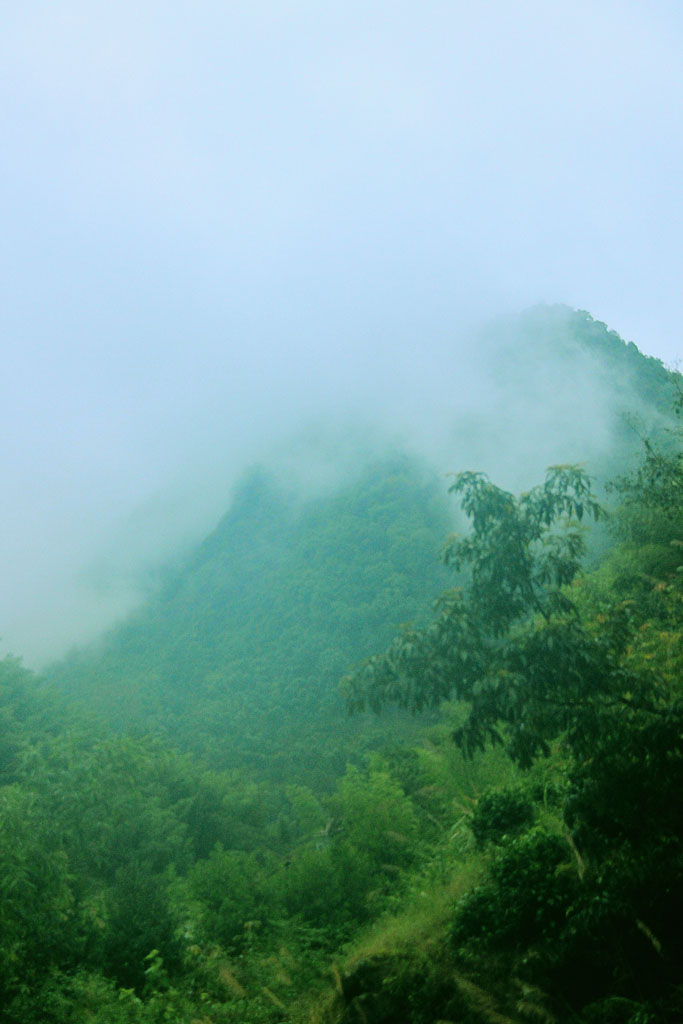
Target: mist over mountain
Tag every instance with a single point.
(192, 823)
(551, 385)
(240, 652)
(321, 699)
(319, 560)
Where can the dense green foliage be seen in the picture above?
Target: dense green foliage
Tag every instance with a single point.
(248, 638)
(509, 642)
(214, 858)
(585, 909)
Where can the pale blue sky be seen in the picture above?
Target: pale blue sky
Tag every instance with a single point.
(221, 219)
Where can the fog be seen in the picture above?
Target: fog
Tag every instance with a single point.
(273, 231)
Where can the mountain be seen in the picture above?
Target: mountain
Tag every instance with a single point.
(240, 652)
(554, 385)
(141, 882)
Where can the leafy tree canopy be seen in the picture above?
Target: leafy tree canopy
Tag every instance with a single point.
(509, 641)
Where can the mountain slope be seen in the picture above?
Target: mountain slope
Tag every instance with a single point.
(240, 653)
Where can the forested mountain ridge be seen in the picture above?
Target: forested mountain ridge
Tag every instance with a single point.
(563, 387)
(249, 636)
(561, 330)
(529, 872)
(245, 643)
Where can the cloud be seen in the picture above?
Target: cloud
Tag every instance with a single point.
(221, 221)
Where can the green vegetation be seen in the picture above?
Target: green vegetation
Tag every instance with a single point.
(247, 640)
(576, 917)
(204, 838)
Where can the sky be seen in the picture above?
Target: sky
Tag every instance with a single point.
(223, 221)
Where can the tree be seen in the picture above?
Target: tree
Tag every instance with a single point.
(532, 659)
(36, 901)
(509, 641)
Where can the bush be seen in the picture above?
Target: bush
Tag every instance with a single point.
(499, 814)
(525, 898)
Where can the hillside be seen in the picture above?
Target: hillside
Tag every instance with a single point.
(223, 843)
(558, 386)
(238, 655)
(428, 885)
(243, 647)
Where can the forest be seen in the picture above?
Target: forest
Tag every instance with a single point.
(409, 751)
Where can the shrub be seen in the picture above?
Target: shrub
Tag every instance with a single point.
(499, 814)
